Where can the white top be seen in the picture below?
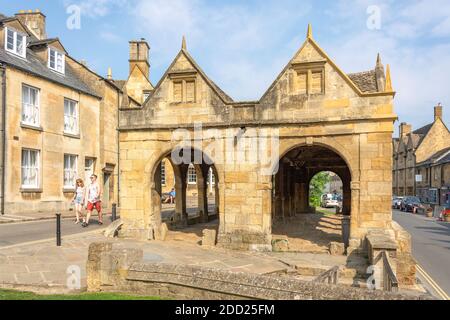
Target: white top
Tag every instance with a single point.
(93, 192)
(80, 192)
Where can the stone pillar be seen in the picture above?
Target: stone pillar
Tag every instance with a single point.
(180, 198)
(355, 236)
(347, 197)
(302, 197)
(202, 187)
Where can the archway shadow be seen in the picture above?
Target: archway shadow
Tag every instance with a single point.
(310, 232)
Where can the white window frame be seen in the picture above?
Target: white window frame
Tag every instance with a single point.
(36, 108)
(30, 167)
(68, 117)
(191, 174)
(14, 51)
(73, 159)
(61, 70)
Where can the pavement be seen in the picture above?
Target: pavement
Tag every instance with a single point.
(431, 249)
(41, 264)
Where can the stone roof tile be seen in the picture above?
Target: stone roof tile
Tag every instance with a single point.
(366, 81)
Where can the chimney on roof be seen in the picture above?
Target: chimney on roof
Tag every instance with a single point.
(438, 112)
(405, 129)
(139, 52)
(35, 21)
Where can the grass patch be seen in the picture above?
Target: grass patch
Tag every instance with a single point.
(22, 295)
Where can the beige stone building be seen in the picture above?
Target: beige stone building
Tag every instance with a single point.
(420, 161)
(59, 121)
(314, 117)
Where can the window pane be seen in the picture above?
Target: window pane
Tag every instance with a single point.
(10, 40)
(20, 44)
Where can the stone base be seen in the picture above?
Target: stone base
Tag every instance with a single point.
(243, 240)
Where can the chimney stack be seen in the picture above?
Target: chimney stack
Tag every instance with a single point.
(139, 52)
(35, 21)
(438, 112)
(405, 129)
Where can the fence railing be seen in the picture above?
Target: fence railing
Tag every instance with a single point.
(390, 281)
(331, 276)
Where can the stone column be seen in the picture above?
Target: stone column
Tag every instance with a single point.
(347, 197)
(180, 198)
(355, 236)
(202, 187)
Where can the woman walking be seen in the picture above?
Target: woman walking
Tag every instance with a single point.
(78, 199)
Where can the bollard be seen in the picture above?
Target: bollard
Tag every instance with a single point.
(114, 212)
(58, 229)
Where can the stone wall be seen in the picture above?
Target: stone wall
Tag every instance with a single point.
(122, 270)
(2, 132)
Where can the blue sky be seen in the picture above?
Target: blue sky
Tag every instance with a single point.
(243, 45)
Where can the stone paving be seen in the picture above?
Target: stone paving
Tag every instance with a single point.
(45, 265)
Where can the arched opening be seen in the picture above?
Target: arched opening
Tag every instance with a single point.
(183, 195)
(326, 193)
(306, 175)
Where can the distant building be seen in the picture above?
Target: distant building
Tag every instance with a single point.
(421, 161)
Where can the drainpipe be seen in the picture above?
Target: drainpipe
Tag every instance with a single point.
(3, 157)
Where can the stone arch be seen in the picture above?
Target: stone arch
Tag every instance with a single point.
(299, 162)
(152, 190)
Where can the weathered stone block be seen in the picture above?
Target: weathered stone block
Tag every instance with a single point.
(209, 237)
(337, 248)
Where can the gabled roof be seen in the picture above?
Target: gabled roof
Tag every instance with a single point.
(225, 98)
(2, 16)
(442, 156)
(34, 65)
(415, 139)
(364, 83)
(424, 130)
(120, 83)
(46, 42)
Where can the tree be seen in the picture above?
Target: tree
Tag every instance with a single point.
(317, 187)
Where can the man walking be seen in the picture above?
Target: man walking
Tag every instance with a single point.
(93, 198)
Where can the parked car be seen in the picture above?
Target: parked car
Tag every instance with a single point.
(329, 200)
(397, 202)
(411, 204)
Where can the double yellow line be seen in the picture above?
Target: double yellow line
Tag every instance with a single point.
(432, 283)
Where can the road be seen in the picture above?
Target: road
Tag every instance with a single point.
(17, 233)
(431, 249)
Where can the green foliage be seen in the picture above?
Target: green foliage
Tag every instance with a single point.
(317, 188)
(20, 295)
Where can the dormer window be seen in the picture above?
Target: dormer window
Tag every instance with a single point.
(56, 60)
(16, 42)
